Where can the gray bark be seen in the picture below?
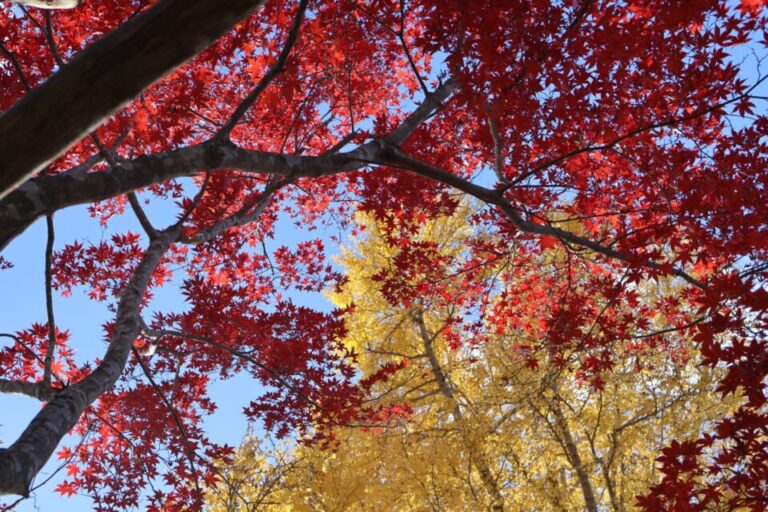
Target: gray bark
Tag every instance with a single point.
(104, 77)
(36, 390)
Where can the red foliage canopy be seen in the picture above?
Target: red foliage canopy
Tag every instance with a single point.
(631, 119)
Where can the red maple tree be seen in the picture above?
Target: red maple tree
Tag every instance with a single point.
(628, 119)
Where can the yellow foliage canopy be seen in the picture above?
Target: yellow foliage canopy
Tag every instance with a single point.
(485, 429)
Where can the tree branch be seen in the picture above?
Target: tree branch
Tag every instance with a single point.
(395, 157)
(247, 214)
(48, 4)
(191, 453)
(157, 334)
(24, 458)
(44, 194)
(572, 452)
(672, 121)
(36, 390)
(16, 65)
(141, 215)
(498, 161)
(477, 454)
(274, 70)
(105, 76)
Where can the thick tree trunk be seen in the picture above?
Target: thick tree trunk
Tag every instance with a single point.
(23, 459)
(104, 77)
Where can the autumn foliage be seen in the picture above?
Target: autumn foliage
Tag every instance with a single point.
(614, 156)
(491, 425)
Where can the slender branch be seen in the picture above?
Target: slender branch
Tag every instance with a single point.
(24, 346)
(196, 113)
(45, 194)
(16, 65)
(637, 131)
(51, 39)
(157, 334)
(141, 215)
(247, 214)
(498, 162)
(196, 201)
(395, 157)
(572, 452)
(24, 458)
(446, 389)
(274, 70)
(49, 303)
(432, 103)
(341, 143)
(401, 37)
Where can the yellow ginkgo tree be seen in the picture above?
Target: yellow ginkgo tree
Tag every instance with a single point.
(491, 416)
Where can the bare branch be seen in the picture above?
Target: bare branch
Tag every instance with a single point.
(24, 346)
(48, 30)
(572, 452)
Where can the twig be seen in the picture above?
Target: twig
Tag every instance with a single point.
(396, 158)
(157, 334)
(248, 213)
(196, 200)
(637, 131)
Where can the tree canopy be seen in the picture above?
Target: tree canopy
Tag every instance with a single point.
(614, 154)
(476, 426)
